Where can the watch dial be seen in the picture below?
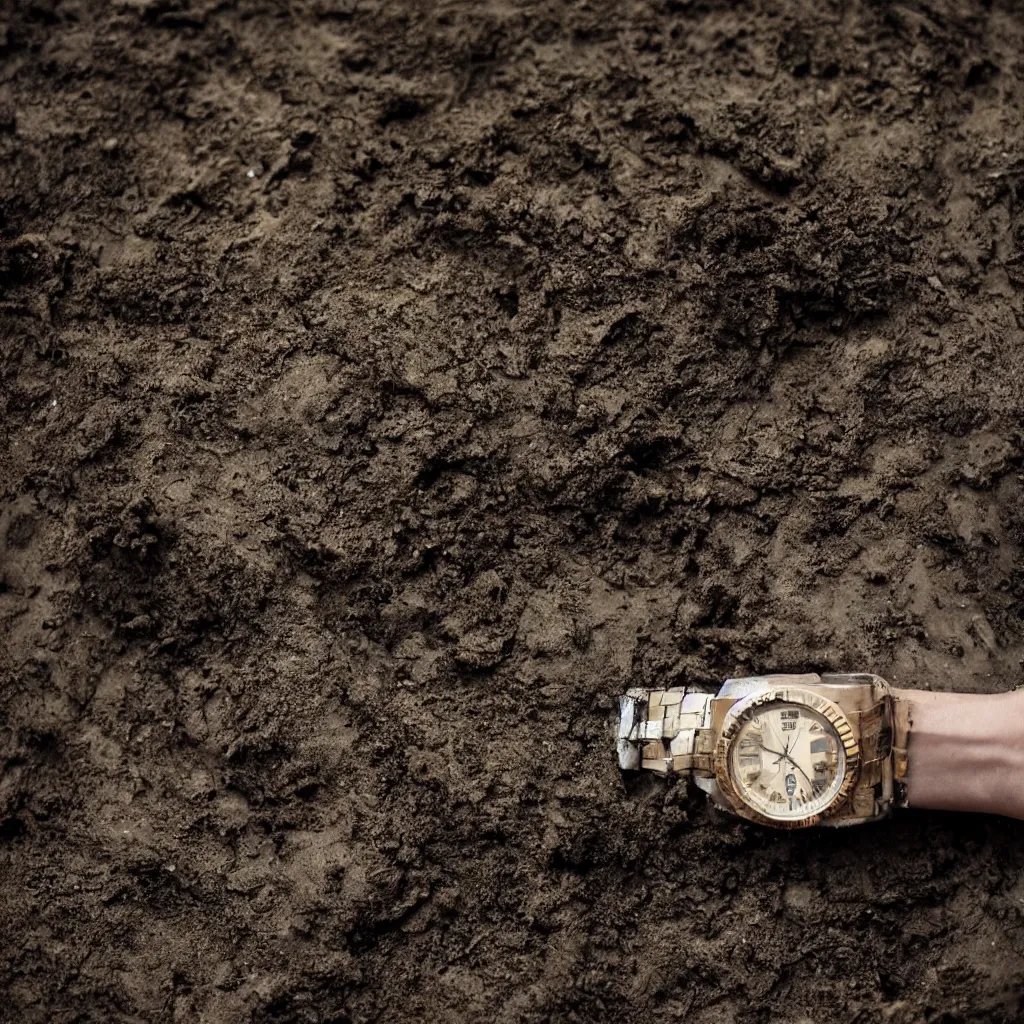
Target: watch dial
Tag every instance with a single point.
(787, 761)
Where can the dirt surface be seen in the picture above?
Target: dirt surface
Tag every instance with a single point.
(385, 387)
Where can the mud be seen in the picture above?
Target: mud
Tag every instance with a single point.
(385, 387)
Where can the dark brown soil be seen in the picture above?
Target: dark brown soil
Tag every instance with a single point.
(385, 387)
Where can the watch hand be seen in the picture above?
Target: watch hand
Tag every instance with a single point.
(793, 761)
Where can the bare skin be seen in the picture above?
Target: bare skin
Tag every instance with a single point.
(966, 752)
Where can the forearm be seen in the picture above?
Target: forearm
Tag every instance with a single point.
(966, 751)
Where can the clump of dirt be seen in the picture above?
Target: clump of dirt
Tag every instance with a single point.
(386, 387)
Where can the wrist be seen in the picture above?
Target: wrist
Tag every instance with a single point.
(966, 751)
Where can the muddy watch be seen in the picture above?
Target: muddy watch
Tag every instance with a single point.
(787, 751)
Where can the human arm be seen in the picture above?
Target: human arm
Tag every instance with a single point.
(966, 751)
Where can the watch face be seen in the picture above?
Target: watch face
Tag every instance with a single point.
(787, 761)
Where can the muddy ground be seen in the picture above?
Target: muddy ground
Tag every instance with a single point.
(385, 386)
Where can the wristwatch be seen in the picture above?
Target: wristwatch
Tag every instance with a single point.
(787, 751)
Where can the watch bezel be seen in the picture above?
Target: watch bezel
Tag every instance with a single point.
(743, 710)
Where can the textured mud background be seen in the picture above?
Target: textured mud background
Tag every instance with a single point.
(387, 386)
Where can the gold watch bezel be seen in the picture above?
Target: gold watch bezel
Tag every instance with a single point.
(743, 710)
